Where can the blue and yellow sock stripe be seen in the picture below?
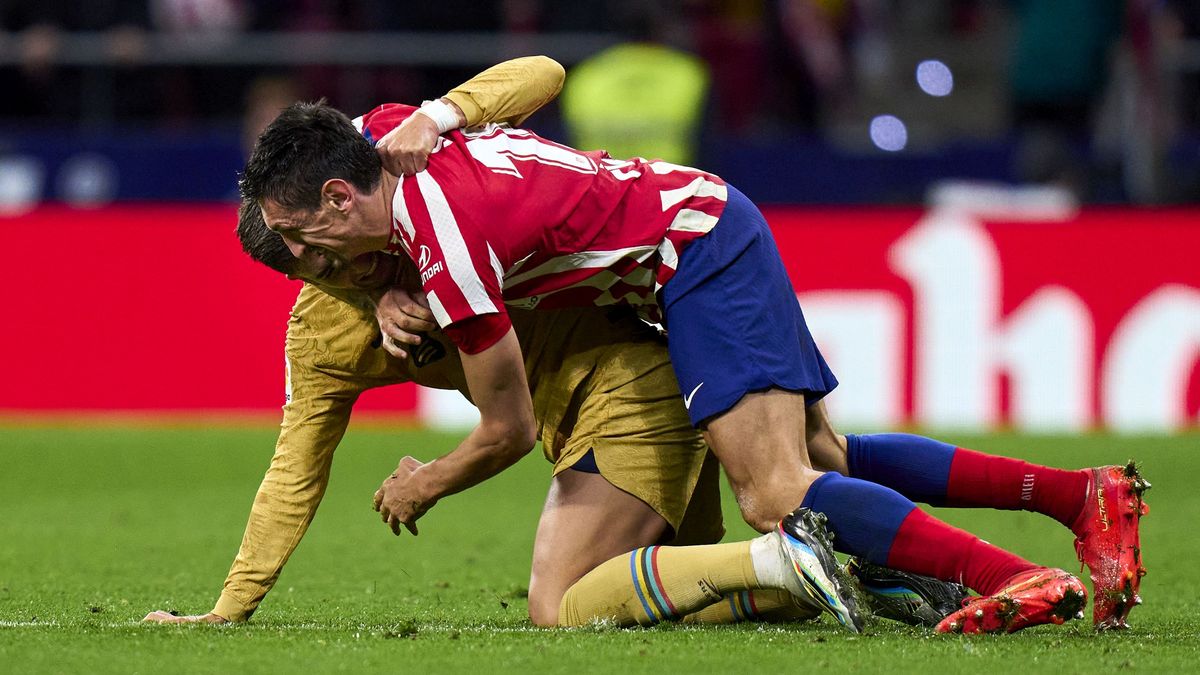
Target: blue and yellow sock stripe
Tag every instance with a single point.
(741, 606)
(643, 568)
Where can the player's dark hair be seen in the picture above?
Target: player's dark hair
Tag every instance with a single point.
(307, 145)
(260, 243)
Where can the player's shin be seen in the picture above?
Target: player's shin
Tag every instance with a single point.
(760, 604)
(658, 583)
(932, 472)
(885, 528)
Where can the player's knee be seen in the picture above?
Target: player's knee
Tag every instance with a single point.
(770, 498)
(543, 608)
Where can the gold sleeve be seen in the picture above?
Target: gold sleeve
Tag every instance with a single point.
(330, 363)
(509, 92)
(314, 421)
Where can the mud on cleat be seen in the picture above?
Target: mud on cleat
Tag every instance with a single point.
(805, 543)
(910, 598)
(1107, 541)
(1030, 598)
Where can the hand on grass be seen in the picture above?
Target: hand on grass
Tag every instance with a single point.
(401, 500)
(167, 617)
(401, 315)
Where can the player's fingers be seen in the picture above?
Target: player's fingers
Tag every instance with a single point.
(417, 318)
(400, 333)
(394, 523)
(412, 527)
(392, 348)
(158, 616)
(378, 499)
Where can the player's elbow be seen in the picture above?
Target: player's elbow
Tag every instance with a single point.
(554, 72)
(512, 438)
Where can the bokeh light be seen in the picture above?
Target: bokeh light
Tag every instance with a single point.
(934, 78)
(889, 133)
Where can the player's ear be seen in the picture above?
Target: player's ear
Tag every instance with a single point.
(338, 194)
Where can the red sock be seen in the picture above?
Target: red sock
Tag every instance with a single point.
(926, 545)
(977, 479)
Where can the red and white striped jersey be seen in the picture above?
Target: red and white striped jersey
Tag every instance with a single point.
(503, 216)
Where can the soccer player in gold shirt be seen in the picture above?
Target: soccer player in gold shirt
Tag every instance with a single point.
(629, 470)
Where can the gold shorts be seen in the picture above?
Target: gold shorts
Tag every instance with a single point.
(629, 413)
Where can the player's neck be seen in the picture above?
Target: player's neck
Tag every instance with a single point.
(388, 186)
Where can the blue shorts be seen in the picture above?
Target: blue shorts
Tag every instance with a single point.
(733, 323)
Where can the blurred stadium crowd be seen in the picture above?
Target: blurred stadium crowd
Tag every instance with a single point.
(847, 101)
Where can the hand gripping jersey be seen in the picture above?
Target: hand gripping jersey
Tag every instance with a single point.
(503, 216)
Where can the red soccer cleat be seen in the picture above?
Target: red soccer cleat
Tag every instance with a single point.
(1106, 540)
(1032, 598)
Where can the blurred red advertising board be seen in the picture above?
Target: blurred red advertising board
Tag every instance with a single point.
(934, 317)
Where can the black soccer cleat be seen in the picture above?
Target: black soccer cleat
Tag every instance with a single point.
(805, 543)
(910, 598)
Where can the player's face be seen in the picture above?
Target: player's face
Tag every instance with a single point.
(342, 225)
(367, 272)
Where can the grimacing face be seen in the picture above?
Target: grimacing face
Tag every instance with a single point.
(345, 224)
(368, 272)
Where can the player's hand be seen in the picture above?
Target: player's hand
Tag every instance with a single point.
(167, 617)
(401, 499)
(405, 150)
(401, 315)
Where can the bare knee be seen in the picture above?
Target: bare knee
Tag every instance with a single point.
(765, 500)
(543, 607)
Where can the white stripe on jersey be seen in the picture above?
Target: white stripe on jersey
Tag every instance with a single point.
(581, 260)
(668, 256)
(691, 220)
(663, 168)
(400, 211)
(701, 187)
(439, 311)
(454, 249)
(496, 266)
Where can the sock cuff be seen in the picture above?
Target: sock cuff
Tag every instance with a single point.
(811, 495)
(854, 454)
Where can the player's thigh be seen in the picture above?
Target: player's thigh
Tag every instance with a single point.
(586, 521)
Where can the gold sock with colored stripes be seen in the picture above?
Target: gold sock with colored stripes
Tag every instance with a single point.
(760, 604)
(658, 583)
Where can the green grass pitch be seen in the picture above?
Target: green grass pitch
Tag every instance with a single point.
(99, 525)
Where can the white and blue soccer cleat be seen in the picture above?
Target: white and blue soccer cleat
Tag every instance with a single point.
(815, 573)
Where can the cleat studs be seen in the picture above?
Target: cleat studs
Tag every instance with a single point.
(979, 614)
(1079, 614)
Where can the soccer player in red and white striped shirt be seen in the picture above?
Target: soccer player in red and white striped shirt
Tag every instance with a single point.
(502, 216)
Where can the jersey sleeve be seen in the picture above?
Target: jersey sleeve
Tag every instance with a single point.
(329, 363)
(509, 92)
(314, 420)
(460, 272)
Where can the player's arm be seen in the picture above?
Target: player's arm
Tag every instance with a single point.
(508, 92)
(314, 421)
(506, 432)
